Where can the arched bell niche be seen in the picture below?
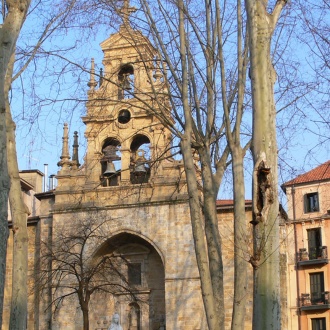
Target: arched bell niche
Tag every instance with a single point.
(126, 82)
(110, 163)
(140, 159)
(143, 270)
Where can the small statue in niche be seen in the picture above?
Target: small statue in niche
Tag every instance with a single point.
(134, 318)
(115, 325)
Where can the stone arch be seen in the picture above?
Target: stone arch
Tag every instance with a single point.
(131, 233)
(134, 316)
(126, 81)
(145, 274)
(140, 149)
(110, 162)
(113, 137)
(139, 139)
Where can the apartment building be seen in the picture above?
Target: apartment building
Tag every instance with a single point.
(306, 238)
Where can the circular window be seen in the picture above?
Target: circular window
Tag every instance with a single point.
(124, 116)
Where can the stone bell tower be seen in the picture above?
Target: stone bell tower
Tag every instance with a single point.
(131, 181)
(126, 139)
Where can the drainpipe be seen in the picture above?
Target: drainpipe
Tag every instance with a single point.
(296, 251)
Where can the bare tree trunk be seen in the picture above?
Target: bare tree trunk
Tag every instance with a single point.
(4, 190)
(265, 260)
(237, 154)
(85, 312)
(198, 234)
(210, 189)
(240, 243)
(213, 237)
(194, 203)
(19, 214)
(9, 31)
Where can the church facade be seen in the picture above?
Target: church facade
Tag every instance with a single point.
(130, 180)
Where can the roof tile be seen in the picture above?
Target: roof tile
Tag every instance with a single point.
(322, 172)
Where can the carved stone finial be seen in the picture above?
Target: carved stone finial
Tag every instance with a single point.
(65, 157)
(92, 82)
(75, 157)
(101, 77)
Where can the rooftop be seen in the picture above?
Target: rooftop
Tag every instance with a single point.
(319, 173)
(229, 203)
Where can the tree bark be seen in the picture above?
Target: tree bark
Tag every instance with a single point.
(193, 191)
(265, 259)
(85, 311)
(9, 31)
(213, 237)
(237, 154)
(240, 242)
(198, 235)
(19, 214)
(4, 191)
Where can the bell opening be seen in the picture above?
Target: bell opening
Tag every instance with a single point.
(124, 116)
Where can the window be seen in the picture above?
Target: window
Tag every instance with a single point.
(314, 243)
(317, 287)
(311, 202)
(134, 274)
(318, 324)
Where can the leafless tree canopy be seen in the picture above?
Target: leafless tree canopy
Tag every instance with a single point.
(69, 266)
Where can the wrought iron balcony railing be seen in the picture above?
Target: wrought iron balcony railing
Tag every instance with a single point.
(317, 255)
(317, 300)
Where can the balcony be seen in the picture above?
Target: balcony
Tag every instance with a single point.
(318, 301)
(315, 256)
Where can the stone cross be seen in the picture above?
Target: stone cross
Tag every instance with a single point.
(126, 11)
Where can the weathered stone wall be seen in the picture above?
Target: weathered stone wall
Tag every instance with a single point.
(167, 228)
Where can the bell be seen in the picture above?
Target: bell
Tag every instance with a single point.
(126, 83)
(139, 169)
(124, 116)
(110, 169)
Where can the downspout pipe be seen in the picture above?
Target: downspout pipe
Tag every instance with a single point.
(293, 191)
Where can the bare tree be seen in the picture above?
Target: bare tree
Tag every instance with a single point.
(70, 267)
(19, 211)
(207, 94)
(201, 92)
(13, 13)
(315, 38)
(265, 260)
(204, 87)
(316, 25)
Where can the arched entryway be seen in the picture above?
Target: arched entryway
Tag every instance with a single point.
(143, 271)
